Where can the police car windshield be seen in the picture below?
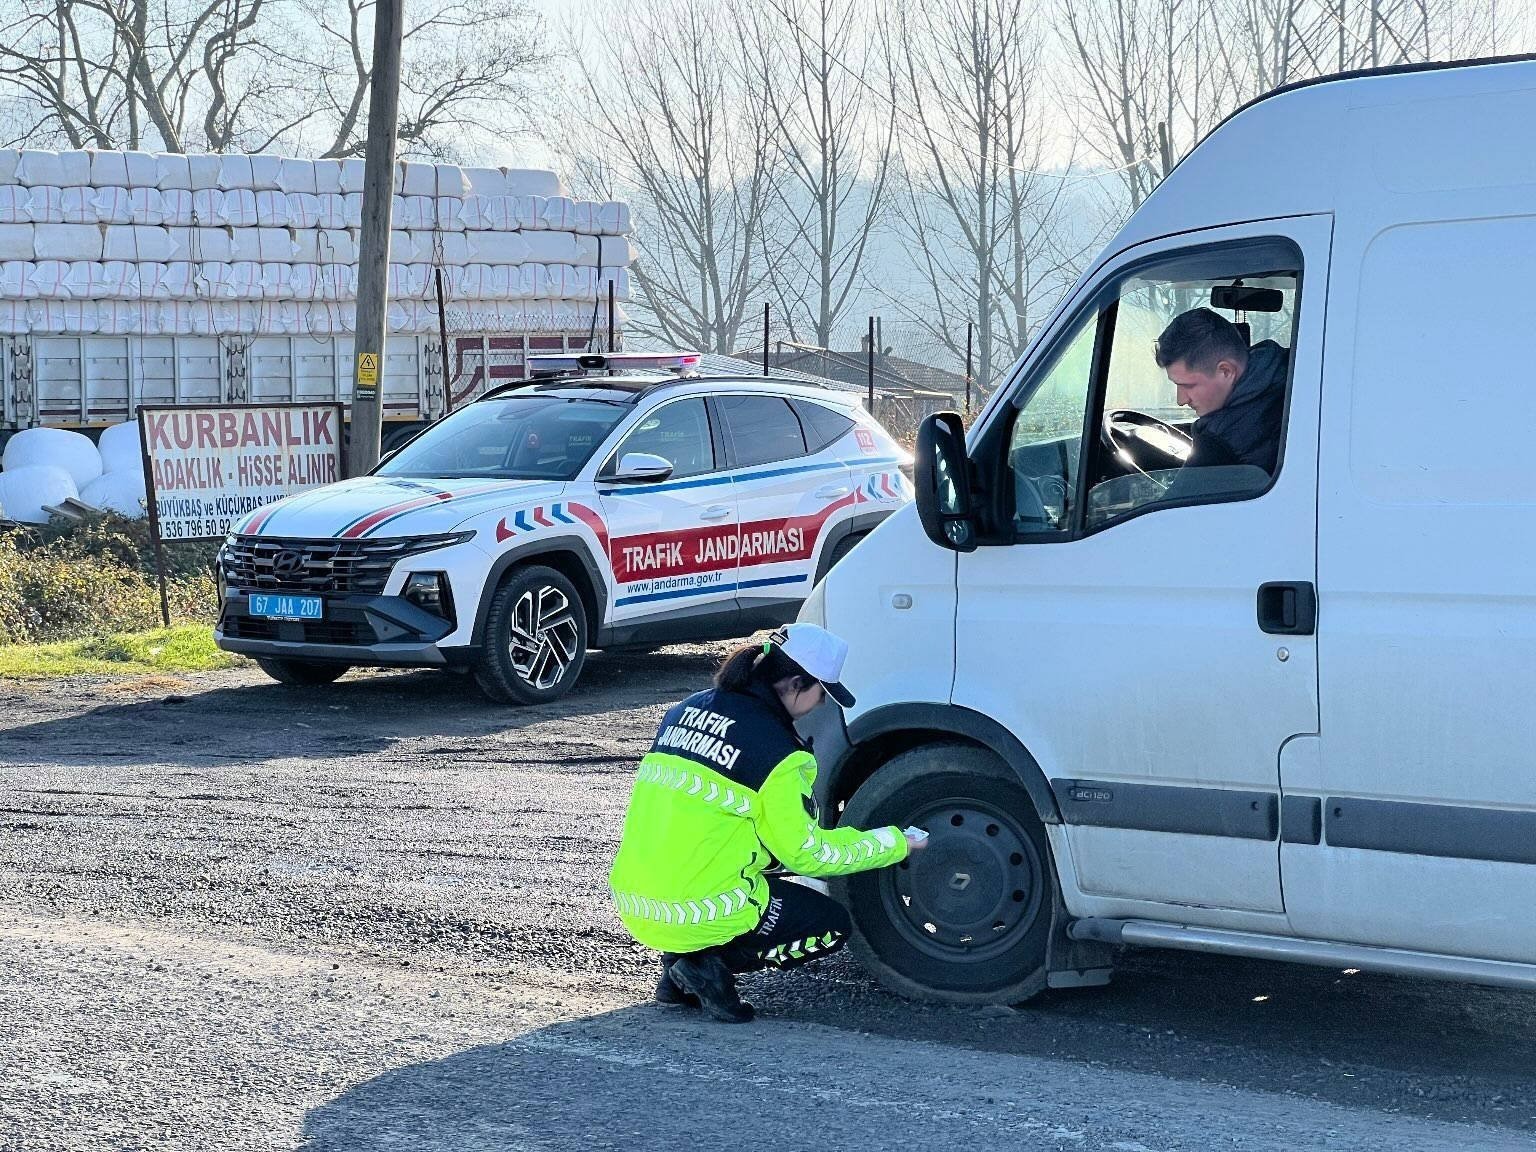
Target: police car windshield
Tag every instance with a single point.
(522, 437)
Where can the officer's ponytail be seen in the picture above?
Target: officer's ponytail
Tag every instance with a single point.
(764, 663)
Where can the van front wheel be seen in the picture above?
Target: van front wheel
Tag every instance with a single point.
(966, 920)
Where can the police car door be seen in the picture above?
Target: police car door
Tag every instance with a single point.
(786, 497)
(672, 543)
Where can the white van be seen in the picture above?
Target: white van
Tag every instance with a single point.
(1278, 709)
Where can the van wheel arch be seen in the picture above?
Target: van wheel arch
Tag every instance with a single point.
(879, 735)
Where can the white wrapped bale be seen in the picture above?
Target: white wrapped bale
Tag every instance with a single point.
(76, 205)
(332, 210)
(266, 173)
(450, 214)
(485, 182)
(114, 205)
(204, 244)
(37, 167)
(15, 204)
(451, 181)
(238, 208)
(415, 212)
(560, 248)
(177, 208)
(409, 247)
(272, 210)
(54, 448)
(48, 280)
(277, 282)
(299, 176)
(531, 182)
(339, 246)
(612, 218)
(497, 248)
(86, 280)
(244, 243)
(235, 173)
(274, 245)
(304, 209)
(615, 252)
(9, 158)
(15, 278)
(327, 178)
(143, 170)
(207, 207)
(109, 170)
(352, 176)
(139, 242)
(172, 172)
(146, 206)
(352, 209)
(413, 179)
(445, 248)
(178, 281)
(245, 280)
(559, 213)
(203, 171)
(477, 212)
(620, 278)
(47, 204)
(16, 242)
(408, 281)
(27, 490)
(118, 317)
(121, 491)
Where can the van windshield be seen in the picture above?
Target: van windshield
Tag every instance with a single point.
(510, 438)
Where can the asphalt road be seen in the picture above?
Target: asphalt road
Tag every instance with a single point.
(240, 916)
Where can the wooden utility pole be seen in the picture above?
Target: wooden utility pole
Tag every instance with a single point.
(373, 243)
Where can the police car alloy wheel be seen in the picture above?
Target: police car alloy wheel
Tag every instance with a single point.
(535, 638)
(968, 919)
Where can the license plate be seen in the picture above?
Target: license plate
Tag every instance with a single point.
(286, 607)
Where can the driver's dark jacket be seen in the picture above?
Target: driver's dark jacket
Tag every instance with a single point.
(1246, 429)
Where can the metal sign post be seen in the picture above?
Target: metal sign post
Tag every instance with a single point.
(154, 520)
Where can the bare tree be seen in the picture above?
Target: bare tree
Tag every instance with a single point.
(979, 207)
(832, 135)
(683, 134)
(251, 75)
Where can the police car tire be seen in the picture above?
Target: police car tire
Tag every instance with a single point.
(902, 791)
(301, 671)
(494, 671)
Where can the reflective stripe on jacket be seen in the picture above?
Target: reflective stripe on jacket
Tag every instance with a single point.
(725, 789)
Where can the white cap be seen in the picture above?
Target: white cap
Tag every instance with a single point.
(820, 653)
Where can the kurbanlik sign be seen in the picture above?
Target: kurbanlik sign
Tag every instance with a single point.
(208, 467)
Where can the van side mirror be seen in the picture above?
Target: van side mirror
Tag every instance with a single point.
(641, 468)
(942, 478)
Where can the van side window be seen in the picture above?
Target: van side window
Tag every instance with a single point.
(1185, 365)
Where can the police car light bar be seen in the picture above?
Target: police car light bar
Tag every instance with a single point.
(556, 364)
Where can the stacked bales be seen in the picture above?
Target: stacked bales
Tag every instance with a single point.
(130, 243)
(43, 467)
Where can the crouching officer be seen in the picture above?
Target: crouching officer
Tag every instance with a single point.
(724, 792)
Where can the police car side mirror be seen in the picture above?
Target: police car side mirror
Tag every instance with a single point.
(641, 468)
(942, 479)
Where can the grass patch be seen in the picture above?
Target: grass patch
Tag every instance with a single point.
(187, 648)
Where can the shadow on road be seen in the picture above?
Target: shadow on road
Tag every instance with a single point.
(358, 715)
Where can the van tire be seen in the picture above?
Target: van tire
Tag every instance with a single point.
(310, 672)
(984, 829)
(542, 610)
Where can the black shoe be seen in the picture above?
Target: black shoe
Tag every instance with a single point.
(668, 994)
(707, 977)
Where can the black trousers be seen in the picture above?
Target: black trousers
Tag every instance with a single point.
(798, 926)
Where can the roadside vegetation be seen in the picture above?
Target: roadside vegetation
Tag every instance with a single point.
(94, 578)
(185, 648)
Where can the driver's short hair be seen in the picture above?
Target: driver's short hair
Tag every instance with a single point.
(1201, 338)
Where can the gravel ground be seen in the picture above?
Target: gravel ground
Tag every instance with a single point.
(236, 915)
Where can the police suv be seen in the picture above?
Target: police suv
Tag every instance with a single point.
(614, 501)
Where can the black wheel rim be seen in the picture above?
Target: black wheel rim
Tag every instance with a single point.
(974, 891)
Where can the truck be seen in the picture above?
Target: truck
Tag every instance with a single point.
(86, 383)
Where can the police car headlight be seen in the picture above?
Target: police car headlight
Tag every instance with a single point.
(814, 610)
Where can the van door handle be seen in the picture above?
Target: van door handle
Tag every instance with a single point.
(831, 491)
(1288, 608)
(715, 512)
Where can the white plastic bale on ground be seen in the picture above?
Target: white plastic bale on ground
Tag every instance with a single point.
(121, 491)
(53, 447)
(27, 490)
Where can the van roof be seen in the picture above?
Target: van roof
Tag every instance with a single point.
(1302, 148)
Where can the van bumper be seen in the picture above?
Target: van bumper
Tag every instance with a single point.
(355, 629)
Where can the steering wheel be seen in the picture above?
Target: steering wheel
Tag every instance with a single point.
(1144, 442)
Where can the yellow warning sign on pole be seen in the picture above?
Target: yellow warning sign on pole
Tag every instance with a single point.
(368, 368)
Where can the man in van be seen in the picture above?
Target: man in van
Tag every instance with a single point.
(1237, 392)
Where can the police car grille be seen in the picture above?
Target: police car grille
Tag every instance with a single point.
(262, 564)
